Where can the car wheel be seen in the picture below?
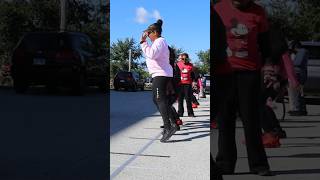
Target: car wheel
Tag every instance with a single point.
(134, 88)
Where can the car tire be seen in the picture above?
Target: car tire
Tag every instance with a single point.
(134, 88)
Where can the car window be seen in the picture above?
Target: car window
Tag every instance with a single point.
(43, 41)
(76, 41)
(136, 75)
(123, 75)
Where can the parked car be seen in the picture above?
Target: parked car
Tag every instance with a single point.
(207, 88)
(312, 83)
(148, 83)
(58, 58)
(128, 80)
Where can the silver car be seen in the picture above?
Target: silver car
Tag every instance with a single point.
(207, 88)
(312, 83)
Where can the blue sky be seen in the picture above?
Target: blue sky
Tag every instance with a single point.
(186, 22)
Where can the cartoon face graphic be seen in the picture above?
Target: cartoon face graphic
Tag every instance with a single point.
(239, 35)
(184, 70)
(240, 30)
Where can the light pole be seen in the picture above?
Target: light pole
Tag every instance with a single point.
(129, 60)
(63, 9)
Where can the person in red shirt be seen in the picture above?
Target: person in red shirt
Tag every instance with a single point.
(222, 72)
(247, 48)
(187, 77)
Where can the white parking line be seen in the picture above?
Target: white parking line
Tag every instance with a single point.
(121, 168)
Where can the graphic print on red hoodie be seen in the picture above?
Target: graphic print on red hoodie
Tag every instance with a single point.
(243, 28)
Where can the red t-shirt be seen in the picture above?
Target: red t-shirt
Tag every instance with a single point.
(242, 29)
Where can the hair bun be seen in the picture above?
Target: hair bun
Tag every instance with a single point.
(159, 22)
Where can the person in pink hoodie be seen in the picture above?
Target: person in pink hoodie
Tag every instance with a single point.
(158, 64)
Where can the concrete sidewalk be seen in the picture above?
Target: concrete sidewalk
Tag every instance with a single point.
(298, 158)
(137, 154)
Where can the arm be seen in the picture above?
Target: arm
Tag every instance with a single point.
(289, 68)
(154, 50)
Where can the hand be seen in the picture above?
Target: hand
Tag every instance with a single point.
(144, 36)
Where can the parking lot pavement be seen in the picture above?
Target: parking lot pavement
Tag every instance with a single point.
(52, 137)
(137, 154)
(299, 155)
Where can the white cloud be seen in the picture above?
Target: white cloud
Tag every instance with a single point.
(142, 15)
(156, 14)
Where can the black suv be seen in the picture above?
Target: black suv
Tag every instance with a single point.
(58, 58)
(128, 80)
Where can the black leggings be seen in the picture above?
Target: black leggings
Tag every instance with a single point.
(161, 99)
(243, 94)
(269, 120)
(185, 93)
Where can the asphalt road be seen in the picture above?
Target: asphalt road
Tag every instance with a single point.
(53, 137)
(136, 152)
(298, 158)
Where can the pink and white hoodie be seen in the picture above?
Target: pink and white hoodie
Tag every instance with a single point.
(157, 58)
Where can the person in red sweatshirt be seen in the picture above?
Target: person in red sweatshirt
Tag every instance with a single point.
(187, 78)
(247, 49)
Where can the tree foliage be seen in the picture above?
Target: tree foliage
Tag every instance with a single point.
(20, 16)
(119, 56)
(204, 61)
(298, 19)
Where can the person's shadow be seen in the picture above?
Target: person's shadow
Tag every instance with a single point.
(192, 125)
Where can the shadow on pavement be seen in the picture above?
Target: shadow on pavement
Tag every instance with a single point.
(304, 137)
(191, 138)
(298, 171)
(312, 101)
(128, 108)
(300, 145)
(288, 127)
(300, 121)
(53, 137)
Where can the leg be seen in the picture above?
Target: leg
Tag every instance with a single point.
(293, 95)
(180, 100)
(160, 99)
(224, 110)
(188, 95)
(248, 84)
(194, 100)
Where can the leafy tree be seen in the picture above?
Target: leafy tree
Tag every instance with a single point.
(298, 19)
(176, 50)
(204, 61)
(119, 55)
